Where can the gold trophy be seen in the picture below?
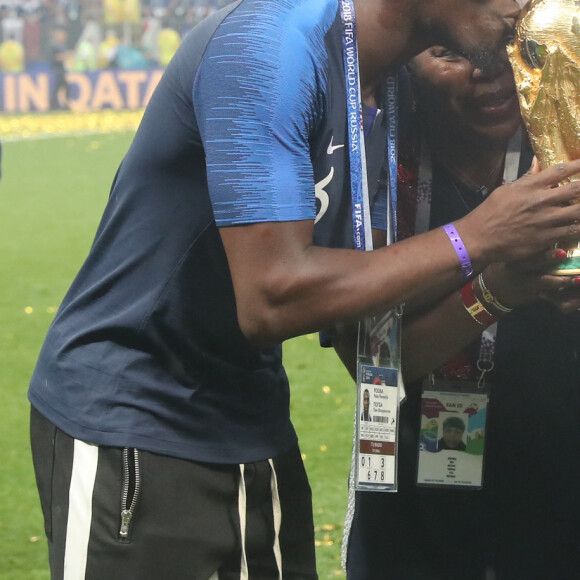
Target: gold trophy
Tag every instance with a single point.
(545, 58)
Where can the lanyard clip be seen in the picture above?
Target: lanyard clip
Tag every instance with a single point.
(484, 367)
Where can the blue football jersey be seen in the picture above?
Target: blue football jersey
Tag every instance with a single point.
(247, 125)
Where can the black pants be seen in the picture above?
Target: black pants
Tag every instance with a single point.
(113, 513)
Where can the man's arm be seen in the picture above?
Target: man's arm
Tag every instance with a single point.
(286, 287)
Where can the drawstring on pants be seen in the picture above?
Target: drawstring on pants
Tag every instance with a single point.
(277, 515)
(242, 508)
(277, 511)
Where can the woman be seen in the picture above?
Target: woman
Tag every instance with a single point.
(522, 520)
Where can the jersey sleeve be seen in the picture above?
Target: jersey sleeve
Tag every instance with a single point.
(258, 95)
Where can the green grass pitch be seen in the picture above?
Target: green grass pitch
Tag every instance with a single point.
(51, 197)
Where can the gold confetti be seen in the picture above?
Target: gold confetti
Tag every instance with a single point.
(323, 448)
(51, 309)
(29, 310)
(326, 389)
(304, 457)
(34, 539)
(325, 542)
(310, 336)
(38, 126)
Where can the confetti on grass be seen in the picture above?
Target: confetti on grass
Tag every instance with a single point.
(328, 535)
(38, 126)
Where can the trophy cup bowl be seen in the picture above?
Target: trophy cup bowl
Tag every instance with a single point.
(545, 58)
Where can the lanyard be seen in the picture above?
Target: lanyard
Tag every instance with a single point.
(361, 215)
(392, 140)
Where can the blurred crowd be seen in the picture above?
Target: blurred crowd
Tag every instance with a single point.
(85, 35)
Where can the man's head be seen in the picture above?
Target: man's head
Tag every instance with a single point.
(475, 29)
(366, 401)
(453, 429)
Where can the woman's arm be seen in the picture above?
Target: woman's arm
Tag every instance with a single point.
(433, 336)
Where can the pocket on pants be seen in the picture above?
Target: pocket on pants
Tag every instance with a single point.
(130, 491)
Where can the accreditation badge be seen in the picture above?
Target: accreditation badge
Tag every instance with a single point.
(452, 434)
(377, 419)
(378, 401)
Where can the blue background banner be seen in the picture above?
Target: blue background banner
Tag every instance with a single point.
(88, 91)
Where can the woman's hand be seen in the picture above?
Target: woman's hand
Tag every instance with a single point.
(524, 281)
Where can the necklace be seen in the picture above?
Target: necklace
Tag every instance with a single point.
(460, 196)
(475, 195)
(474, 177)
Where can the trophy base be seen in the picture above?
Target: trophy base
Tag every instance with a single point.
(571, 265)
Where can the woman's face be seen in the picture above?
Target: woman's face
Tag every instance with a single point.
(460, 96)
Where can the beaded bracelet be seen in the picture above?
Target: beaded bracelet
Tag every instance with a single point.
(489, 297)
(475, 308)
(459, 247)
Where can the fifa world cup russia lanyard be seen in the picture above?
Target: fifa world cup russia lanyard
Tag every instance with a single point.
(361, 214)
(378, 358)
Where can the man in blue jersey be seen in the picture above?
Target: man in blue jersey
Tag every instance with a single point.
(160, 427)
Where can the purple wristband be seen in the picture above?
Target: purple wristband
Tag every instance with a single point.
(459, 247)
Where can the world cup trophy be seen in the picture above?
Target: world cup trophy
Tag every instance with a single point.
(545, 58)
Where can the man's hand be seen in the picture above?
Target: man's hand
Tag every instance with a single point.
(525, 217)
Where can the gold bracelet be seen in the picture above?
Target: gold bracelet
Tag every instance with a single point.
(489, 297)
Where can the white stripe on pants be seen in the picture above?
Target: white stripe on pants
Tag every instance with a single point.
(80, 510)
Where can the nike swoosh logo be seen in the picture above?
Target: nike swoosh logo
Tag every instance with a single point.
(331, 149)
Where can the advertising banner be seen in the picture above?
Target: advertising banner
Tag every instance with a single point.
(88, 91)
